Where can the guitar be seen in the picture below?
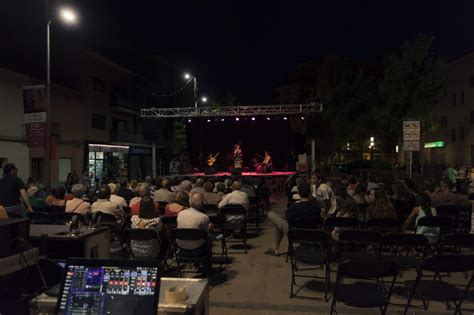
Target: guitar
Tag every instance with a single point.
(212, 160)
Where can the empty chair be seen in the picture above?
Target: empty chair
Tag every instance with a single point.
(408, 250)
(460, 217)
(236, 225)
(437, 289)
(358, 245)
(365, 295)
(200, 256)
(458, 243)
(219, 234)
(314, 253)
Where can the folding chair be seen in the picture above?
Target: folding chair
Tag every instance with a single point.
(142, 235)
(219, 234)
(442, 223)
(240, 225)
(437, 289)
(383, 225)
(358, 245)
(210, 209)
(365, 295)
(203, 255)
(108, 220)
(311, 222)
(460, 217)
(65, 217)
(254, 211)
(317, 254)
(169, 224)
(408, 250)
(458, 243)
(341, 222)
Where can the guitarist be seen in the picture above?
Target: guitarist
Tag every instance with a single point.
(211, 160)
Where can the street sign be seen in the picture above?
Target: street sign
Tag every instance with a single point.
(436, 144)
(411, 130)
(411, 145)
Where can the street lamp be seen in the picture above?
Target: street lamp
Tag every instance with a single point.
(67, 16)
(371, 146)
(190, 77)
(204, 99)
(187, 76)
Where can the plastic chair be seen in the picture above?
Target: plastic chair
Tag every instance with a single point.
(315, 253)
(365, 295)
(436, 289)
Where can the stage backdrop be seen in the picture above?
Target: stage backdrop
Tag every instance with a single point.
(254, 136)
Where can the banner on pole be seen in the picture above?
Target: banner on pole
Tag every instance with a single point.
(34, 108)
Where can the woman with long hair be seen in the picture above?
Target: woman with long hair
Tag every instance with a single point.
(423, 209)
(402, 196)
(360, 194)
(147, 218)
(350, 210)
(380, 206)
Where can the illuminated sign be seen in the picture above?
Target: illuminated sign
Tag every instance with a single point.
(436, 144)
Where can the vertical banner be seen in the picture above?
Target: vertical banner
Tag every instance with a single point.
(34, 107)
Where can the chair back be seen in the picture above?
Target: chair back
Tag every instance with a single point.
(217, 221)
(333, 222)
(383, 225)
(189, 234)
(233, 210)
(210, 209)
(308, 236)
(459, 241)
(404, 240)
(170, 220)
(449, 263)
(142, 234)
(360, 237)
(443, 223)
(460, 217)
(311, 222)
(56, 209)
(368, 269)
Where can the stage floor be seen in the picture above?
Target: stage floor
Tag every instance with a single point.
(272, 174)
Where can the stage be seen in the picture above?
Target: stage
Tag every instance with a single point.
(253, 174)
(276, 180)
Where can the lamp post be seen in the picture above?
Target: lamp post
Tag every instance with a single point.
(68, 16)
(371, 146)
(188, 77)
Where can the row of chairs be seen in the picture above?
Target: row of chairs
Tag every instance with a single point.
(372, 255)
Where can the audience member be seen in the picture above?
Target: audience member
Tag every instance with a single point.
(194, 218)
(199, 186)
(444, 196)
(13, 191)
(351, 210)
(77, 204)
(116, 198)
(352, 185)
(402, 196)
(151, 184)
(125, 192)
(340, 193)
(302, 208)
(103, 204)
(37, 203)
(57, 198)
(181, 202)
(164, 194)
(248, 188)
(236, 197)
(210, 197)
(423, 209)
(372, 183)
(380, 206)
(220, 189)
(324, 194)
(174, 185)
(360, 194)
(134, 185)
(143, 191)
(147, 218)
(3, 213)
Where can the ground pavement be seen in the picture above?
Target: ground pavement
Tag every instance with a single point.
(260, 284)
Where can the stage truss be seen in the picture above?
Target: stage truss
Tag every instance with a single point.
(234, 111)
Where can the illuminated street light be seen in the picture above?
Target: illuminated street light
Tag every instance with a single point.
(204, 99)
(187, 76)
(68, 15)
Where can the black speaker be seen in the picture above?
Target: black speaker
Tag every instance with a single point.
(236, 171)
(209, 170)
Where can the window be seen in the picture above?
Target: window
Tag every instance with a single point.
(453, 135)
(98, 85)
(98, 121)
(461, 134)
(454, 99)
(444, 122)
(462, 97)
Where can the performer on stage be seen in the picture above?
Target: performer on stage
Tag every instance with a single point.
(237, 154)
(267, 163)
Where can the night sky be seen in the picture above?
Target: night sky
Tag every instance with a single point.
(240, 47)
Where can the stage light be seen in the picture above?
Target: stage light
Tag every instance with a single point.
(284, 118)
(237, 118)
(253, 118)
(302, 117)
(187, 76)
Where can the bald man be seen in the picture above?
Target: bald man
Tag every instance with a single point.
(164, 194)
(193, 218)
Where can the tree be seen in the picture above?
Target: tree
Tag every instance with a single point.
(411, 86)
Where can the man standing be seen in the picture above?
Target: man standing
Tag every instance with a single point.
(12, 191)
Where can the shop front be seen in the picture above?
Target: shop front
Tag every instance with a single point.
(107, 162)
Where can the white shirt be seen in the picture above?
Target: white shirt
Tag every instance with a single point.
(118, 200)
(236, 197)
(192, 219)
(163, 195)
(324, 192)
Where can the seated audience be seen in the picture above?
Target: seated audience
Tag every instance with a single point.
(125, 192)
(444, 196)
(236, 197)
(147, 218)
(324, 194)
(340, 192)
(193, 218)
(151, 184)
(134, 185)
(37, 203)
(116, 198)
(360, 194)
(305, 207)
(181, 202)
(402, 196)
(210, 197)
(220, 189)
(164, 194)
(423, 209)
(351, 210)
(103, 204)
(372, 183)
(199, 186)
(380, 206)
(143, 191)
(248, 188)
(174, 185)
(57, 197)
(77, 204)
(352, 186)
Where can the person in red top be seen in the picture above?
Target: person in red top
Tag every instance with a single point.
(180, 203)
(143, 191)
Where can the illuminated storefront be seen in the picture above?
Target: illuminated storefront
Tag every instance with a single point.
(108, 161)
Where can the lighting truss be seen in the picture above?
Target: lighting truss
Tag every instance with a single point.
(235, 111)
